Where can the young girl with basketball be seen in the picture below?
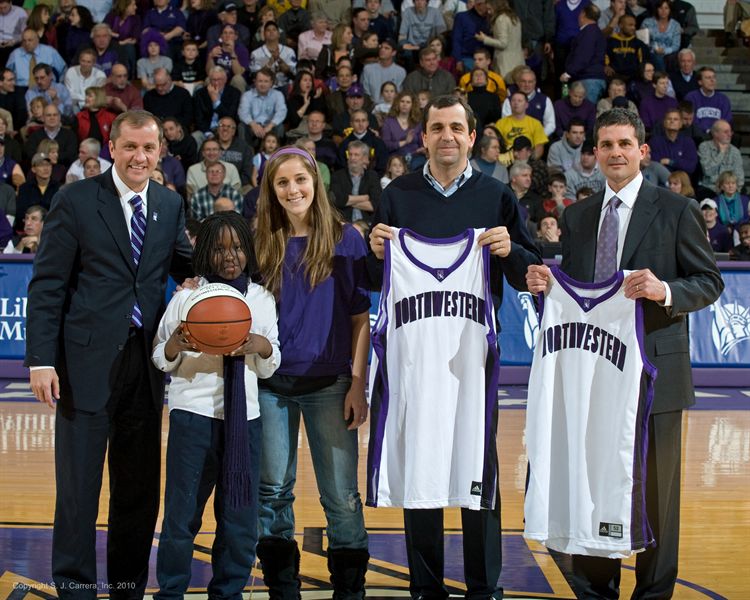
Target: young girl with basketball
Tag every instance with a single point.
(314, 266)
(214, 420)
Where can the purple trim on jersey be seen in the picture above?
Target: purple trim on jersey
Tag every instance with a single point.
(467, 235)
(641, 535)
(640, 332)
(639, 515)
(379, 395)
(586, 304)
(492, 377)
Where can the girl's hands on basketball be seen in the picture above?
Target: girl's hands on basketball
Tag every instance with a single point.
(191, 283)
(178, 342)
(254, 344)
(355, 405)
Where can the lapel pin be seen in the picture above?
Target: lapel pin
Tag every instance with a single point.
(155, 216)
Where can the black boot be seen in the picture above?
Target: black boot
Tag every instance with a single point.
(348, 567)
(279, 559)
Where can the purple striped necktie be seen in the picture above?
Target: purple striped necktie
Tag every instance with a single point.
(137, 234)
(606, 244)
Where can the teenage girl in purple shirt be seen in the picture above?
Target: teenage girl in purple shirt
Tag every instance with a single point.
(314, 266)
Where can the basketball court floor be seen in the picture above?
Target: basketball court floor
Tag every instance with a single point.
(713, 539)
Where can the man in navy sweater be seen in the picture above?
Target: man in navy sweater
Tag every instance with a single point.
(442, 200)
(466, 26)
(585, 63)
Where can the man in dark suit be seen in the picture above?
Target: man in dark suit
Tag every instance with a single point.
(662, 238)
(215, 100)
(95, 300)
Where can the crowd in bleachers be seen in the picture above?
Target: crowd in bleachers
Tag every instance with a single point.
(232, 81)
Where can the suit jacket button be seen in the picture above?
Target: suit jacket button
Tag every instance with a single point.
(120, 347)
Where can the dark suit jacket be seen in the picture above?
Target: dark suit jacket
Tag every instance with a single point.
(341, 187)
(84, 286)
(666, 234)
(204, 108)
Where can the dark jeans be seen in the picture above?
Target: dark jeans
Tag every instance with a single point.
(194, 468)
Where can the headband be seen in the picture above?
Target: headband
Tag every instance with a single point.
(294, 150)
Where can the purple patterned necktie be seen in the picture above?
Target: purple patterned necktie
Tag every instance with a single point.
(606, 244)
(137, 234)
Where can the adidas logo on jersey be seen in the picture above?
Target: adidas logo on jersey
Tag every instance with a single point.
(476, 488)
(613, 530)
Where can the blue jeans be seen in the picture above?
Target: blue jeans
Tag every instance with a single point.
(594, 88)
(194, 460)
(334, 451)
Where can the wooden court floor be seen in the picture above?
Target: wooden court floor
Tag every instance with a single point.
(714, 532)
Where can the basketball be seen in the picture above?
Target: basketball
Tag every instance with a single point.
(217, 318)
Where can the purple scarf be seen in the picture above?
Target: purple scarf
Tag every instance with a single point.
(236, 464)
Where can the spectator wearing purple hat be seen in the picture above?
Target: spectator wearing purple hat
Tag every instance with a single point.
(154, 50)
(355, 100)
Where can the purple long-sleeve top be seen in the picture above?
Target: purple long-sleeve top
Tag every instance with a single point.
(129, 27)
(565, 111)
(682, 153)
(392, 134)
(653, 109)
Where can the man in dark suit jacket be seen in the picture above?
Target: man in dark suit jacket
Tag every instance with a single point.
(207, 115)
(355, 188)
(662, 238)
(92, 314)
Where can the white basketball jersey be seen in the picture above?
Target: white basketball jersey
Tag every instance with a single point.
(589, 400)
(433, 378)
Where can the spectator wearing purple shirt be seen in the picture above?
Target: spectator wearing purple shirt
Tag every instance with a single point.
(108, 53)
(710, 105)
(674, 150)
(402, 130)
(653, 107)
(170, 21)
(126, 28)
(574, 106)
(315, 266)
(232, 56)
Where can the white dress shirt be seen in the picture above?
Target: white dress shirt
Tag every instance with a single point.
(628, 196)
